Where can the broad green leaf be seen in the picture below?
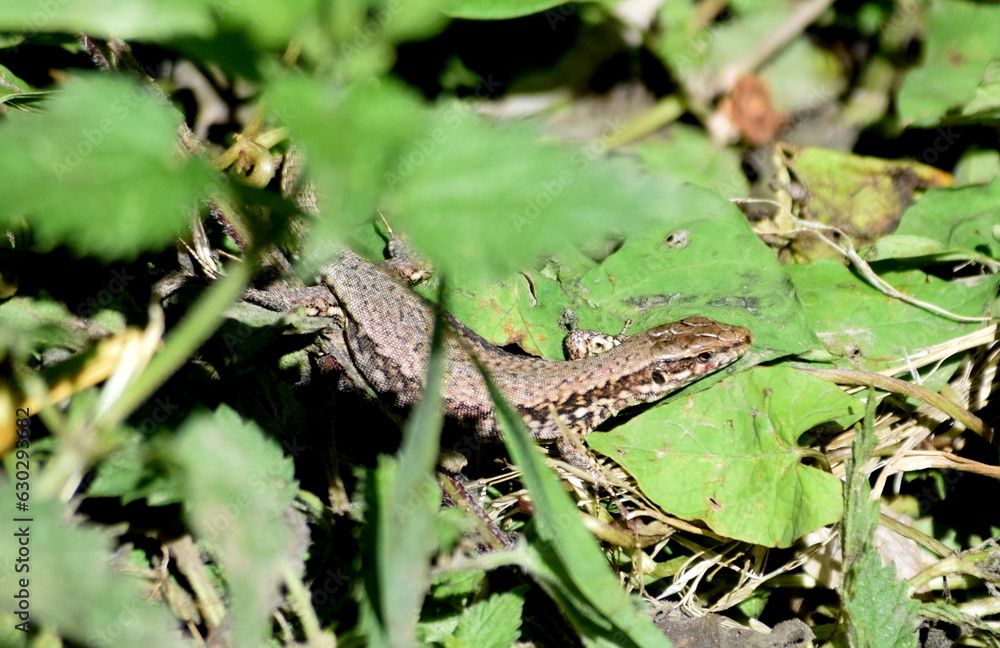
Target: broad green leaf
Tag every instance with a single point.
(486, 199)
(919, 248)
(132, 19)
(867, 329)
(863, 196)
(687, 155)
(964, 217)
(879, 612)
(354, 138)
(961, 42)
(237, 486)
(699, 257)
(730, 455)
(100, 171)
(702, 259)
(985, 106)
(489, 10)
(70, 583)
(525, 310)
(935, 88)
(565, 558)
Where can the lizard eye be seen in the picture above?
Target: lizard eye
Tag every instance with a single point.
(704, 357)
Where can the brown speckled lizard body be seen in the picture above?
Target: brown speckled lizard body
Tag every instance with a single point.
(388, 329)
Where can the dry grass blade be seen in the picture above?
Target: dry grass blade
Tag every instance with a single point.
(897, 386)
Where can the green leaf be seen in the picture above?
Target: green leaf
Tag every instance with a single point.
(961, 42)
(130, 472)
(112, 18)
(565, 558)
(489, 10)
(867, 329)
(721, 455)
(99, 171)
(71, 584)
(963, 217)
(265, 23)
(492, 623)
(703, 258)
(16, 93)
(977, 166)
(487, 199)
(688, 155)
(880, 613)
(354, 137)
(237, 486)
(865, 196)
(699, 257)
(921, 249)
(31, 326)
(985, 106)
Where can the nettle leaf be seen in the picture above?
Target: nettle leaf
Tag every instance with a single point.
(482, 198)
(72, 585)
(236, 485)
(353, 137)
(492, 623)
(99, 171)
(879, 611)
(132, 19)
(730, 455)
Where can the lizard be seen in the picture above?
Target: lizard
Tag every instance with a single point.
(387, 329)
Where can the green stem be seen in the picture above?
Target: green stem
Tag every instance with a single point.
(199, 324)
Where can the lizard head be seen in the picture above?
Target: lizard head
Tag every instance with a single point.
(681, 352)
